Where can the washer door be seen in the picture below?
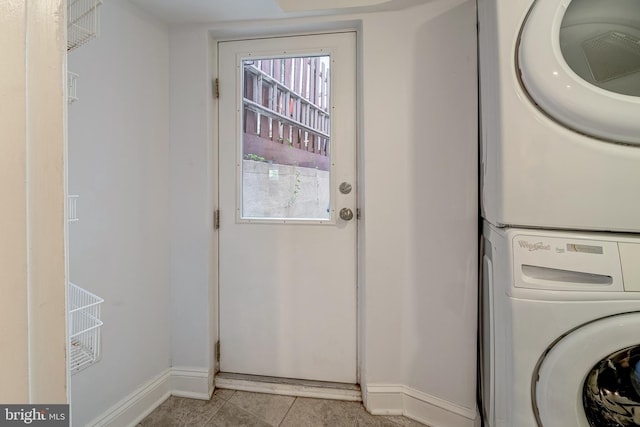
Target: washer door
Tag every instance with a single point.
(580, 62)
(591, 376)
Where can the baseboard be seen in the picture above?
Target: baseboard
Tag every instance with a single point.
(137, 405)
(191, 383)
(395, 399)
(384, 399)
(182, 382)
(380, 399)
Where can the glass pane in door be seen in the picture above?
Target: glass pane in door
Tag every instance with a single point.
(286, 138)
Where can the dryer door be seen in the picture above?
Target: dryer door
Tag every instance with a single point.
(579, 61)
(591, 376)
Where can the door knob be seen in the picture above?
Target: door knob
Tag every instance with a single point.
(346, 214)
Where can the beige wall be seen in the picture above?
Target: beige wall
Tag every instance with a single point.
(32, 182)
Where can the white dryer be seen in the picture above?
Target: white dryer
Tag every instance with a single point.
(560, 329)
(560, 97)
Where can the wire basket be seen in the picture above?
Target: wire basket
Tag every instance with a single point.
(83, 22)
(84, 328)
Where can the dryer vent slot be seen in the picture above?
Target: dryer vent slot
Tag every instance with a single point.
(555, 275)
(612, 55)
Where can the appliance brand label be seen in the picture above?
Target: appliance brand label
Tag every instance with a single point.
(534, 246)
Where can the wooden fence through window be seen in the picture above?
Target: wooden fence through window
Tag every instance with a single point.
(286, 106)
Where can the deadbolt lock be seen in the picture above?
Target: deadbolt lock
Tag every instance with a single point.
(345, 188)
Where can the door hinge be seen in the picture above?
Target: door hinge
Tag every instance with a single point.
(358, 213)
(216, 88)
(218, 350)
(216, 219)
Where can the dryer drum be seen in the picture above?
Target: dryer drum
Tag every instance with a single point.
(611, 393)
(612, 55)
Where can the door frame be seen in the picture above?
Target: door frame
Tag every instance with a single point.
(287, 30)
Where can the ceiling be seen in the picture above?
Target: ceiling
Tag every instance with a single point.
(201, 11)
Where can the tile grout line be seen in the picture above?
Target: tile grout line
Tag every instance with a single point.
(233, 393)
(248, 412)
(287, 413)
(224, 402)
(217, 412)
(216, 415)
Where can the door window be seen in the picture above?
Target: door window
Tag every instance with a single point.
(600, 41)
(611, 392)
(286, 138)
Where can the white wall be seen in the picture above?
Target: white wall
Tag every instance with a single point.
(421, 220)
(441, 303)
(191, 185)
(417, 289)
(119, 165)
(429, 142)
(32, 222)
(419, 197)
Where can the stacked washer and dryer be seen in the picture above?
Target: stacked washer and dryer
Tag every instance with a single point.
(560, 174)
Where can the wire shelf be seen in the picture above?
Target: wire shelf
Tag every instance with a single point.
(84, 328)
(83, 22)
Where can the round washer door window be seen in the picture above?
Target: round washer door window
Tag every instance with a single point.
(611, 393)
(579, 61)
(564, 389)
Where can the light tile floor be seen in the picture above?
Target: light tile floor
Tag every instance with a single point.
(229, 408)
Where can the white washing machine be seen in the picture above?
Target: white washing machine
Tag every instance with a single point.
(560, 97)
(560, 329)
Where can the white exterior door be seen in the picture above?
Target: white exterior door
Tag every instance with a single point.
(287, 158)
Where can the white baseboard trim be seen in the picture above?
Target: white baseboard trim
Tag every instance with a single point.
(137, 405)
(380, 399)
(384, 399)
(182, 382)
(191, 383)
(396, 399)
